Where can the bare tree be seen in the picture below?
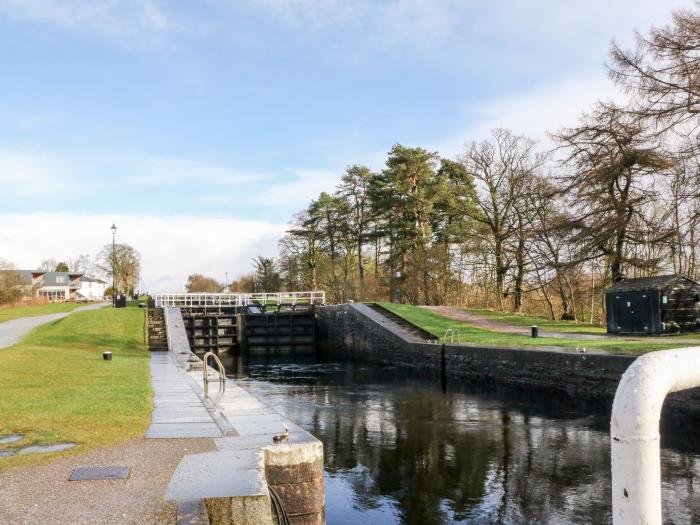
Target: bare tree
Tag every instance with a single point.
(198, 283)
(615, 165)
(663, 72)
(125, 261)
(501, 167)
(48, 265)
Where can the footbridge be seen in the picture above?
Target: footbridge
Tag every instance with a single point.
(235, 300)
(249, 323)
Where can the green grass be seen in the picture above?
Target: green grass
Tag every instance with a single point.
(9, 313)
(58, 388)
(438, 324)
(572, 327)
(136, 302)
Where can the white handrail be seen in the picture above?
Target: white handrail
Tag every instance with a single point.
(634, 431)
(217, 300)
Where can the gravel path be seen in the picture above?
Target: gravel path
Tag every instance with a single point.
(11, 332)
(42, 494)
(490, 324)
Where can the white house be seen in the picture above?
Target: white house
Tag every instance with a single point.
(92, 289)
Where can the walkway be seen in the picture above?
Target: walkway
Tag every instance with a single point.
(12, 332)
(486, 323)
(178, 411)
(481, 321)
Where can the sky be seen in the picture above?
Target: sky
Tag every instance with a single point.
(200, 127)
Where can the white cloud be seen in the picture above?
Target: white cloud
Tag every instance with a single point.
(27, 174)
(534, 113)
(426, 25)
(171, 247)
(123, 19)
(299, 188)
(170, 171)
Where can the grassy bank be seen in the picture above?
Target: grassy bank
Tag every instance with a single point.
(62, 391)
(571, 327)
(437, 325)
(136, 302)
(15, 312)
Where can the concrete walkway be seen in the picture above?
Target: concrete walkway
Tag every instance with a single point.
(12, 332)
(178, 412)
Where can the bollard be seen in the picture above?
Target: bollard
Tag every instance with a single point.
(534, 329)
(107, 356)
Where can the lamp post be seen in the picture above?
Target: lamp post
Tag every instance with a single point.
(114, 233)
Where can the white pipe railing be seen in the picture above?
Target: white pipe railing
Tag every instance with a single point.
(634, 431)
(217, 300)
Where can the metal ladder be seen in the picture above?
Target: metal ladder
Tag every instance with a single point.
(451, 333)
(205, 372)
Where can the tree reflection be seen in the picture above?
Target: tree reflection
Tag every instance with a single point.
(424, 456)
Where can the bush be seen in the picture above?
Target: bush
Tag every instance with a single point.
(10, 288)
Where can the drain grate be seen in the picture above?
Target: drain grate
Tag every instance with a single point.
(99, 473)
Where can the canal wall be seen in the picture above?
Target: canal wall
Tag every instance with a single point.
(252, 471)
(358, 331)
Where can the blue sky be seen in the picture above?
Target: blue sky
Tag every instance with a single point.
(172, 118)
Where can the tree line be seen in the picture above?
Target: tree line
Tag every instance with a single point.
(507, 225)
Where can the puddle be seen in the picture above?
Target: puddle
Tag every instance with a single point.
(7, 453)
(10, 438)
(37, 449)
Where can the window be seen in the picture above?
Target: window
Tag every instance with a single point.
(61, 279)
(54, 295)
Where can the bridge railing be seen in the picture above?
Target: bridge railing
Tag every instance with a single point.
(218, 300)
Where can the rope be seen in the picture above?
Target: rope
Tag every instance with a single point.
(278, 505)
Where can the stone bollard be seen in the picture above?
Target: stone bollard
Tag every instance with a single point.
(295, 472)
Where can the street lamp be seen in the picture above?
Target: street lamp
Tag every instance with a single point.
(114, 233)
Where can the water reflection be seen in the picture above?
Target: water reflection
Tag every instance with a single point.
(400, 448)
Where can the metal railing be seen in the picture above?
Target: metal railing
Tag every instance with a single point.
(218, 300)
(634, 431)
(205, 372)
(451, 333)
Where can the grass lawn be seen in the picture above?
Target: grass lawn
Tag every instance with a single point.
(438, 324)
(57, 387)
(136, 302)
(547, 324)
(9, 313)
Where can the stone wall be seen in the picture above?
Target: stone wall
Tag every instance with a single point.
(356, 330)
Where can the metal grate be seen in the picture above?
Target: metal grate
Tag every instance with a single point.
(99, 473)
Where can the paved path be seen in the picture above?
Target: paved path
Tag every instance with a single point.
(178, 412)
(12, 332)
(486, 323)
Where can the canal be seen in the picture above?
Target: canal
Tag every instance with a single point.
(405, 448)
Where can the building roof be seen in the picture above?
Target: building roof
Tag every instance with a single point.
(51, 278)
(660, 282)
(26, 277)
(86, 279)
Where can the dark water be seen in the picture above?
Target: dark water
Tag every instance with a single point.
(401, 447)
